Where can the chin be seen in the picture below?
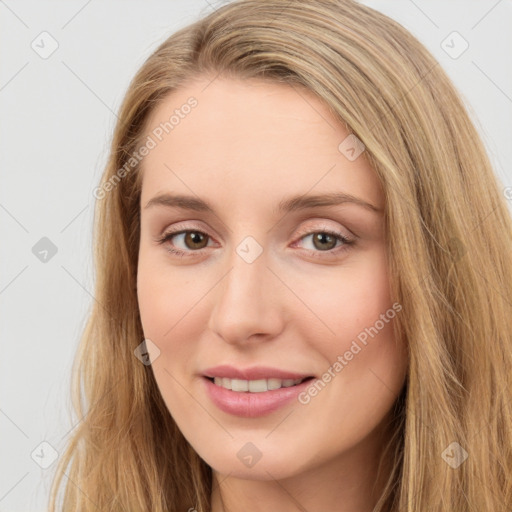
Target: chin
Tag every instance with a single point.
(245, 460)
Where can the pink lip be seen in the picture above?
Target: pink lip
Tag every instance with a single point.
(254, 373)
(246, 404)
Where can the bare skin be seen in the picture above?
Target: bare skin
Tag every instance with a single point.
(298, 306)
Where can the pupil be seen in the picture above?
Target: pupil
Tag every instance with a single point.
(195, 237)
(321, 237)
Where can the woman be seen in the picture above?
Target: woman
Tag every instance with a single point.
(261, 370)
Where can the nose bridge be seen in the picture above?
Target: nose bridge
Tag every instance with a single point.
(246, 296)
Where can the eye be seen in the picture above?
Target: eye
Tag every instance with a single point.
(323, 241)
(193, 239)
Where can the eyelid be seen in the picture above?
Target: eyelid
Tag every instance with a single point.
(169, 233)
(324, 227)
(308, 229)
(347, 240)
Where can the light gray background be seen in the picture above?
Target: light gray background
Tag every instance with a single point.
(57, 116)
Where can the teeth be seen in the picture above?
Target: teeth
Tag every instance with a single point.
(255, 386)
(239, 385)
(273, 384)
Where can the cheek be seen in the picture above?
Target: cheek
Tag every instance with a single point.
(167, 300)
(364, 367)
(165, 293)
(347, 303)
(354, 330)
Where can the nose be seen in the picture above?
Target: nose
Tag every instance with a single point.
(247, 301)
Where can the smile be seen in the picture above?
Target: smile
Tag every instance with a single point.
(253, 398)
(255, 386)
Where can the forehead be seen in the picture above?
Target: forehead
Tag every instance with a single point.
(248, 140)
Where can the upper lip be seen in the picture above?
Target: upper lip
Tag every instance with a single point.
(253, 373)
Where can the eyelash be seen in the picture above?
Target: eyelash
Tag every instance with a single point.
(317, 254)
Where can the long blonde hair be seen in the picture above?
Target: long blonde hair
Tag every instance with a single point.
(449, 236)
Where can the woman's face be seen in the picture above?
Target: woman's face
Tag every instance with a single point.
(265, 291)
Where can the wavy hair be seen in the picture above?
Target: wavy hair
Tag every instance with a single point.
(449, 244)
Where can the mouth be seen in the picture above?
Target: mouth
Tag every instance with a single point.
(257, 385)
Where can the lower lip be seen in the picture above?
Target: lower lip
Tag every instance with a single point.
(252, 405)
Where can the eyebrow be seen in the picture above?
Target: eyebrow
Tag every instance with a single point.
(294, 203)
